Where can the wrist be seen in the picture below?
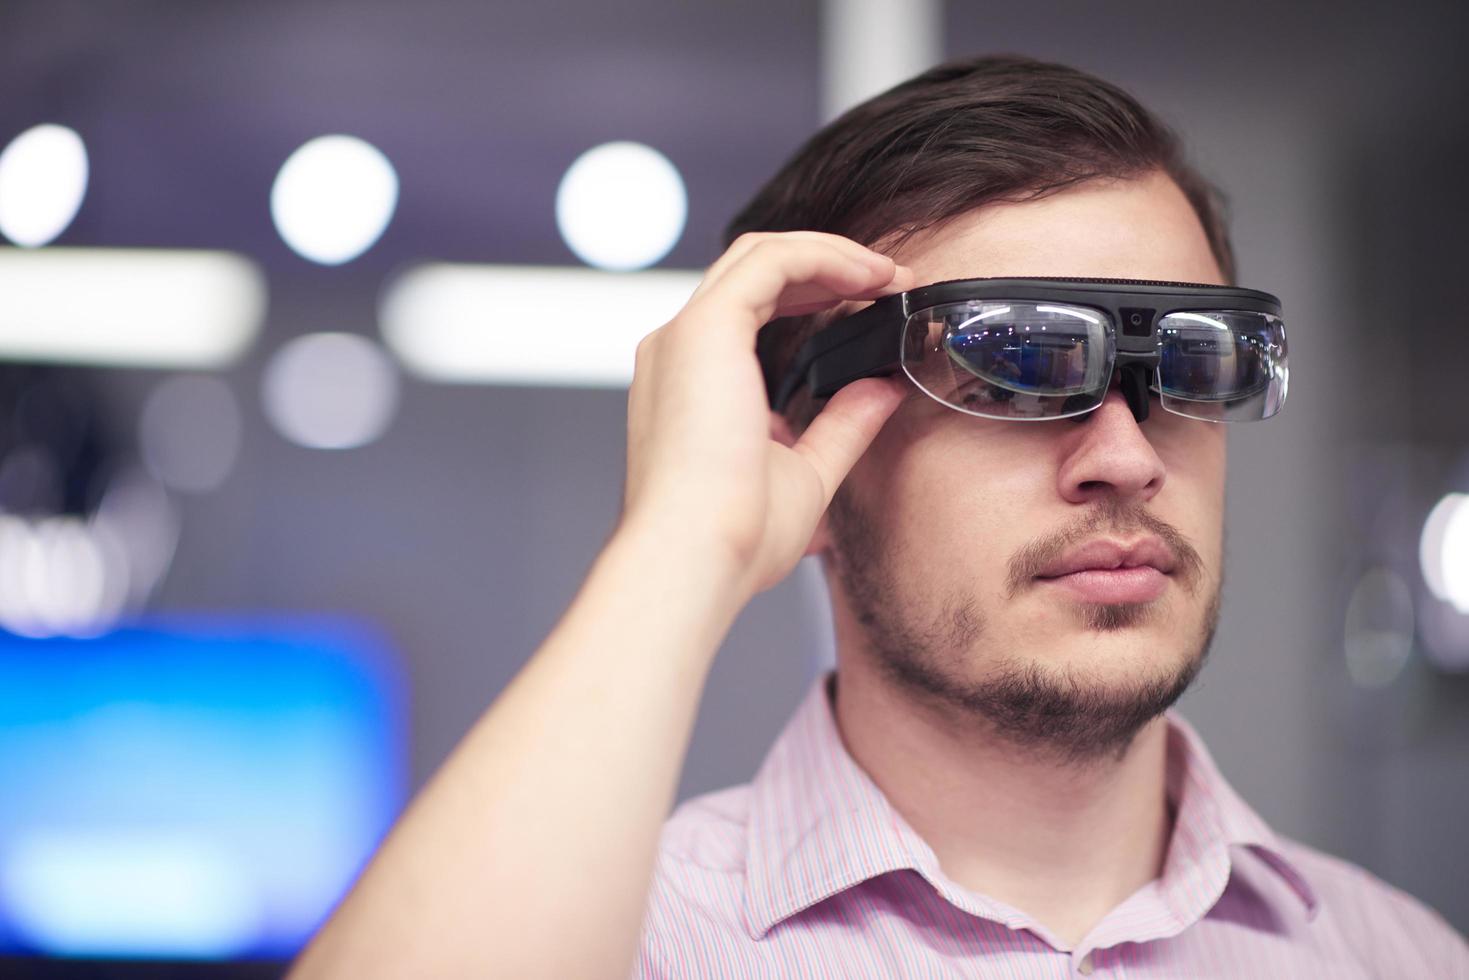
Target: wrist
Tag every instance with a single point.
(671, 578)
(685, 544)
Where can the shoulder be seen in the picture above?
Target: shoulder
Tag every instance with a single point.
(1389, 925)
(708, 831)
(695, 910)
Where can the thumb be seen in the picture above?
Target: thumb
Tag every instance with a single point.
(845, 427)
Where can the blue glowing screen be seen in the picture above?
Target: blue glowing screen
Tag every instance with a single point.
(192, 787)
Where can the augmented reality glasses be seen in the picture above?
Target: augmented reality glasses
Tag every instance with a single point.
(1032, 348)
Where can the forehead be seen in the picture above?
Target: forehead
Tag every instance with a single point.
(1140, 228)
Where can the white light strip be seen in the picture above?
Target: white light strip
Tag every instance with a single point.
(868, 46)
(1070, 311)
(527, 325)
(983, 316)
(1208, 321)
(128, 307)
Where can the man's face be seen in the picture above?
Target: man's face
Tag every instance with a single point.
(935, 539)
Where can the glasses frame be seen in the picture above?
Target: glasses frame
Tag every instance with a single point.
(868, 343)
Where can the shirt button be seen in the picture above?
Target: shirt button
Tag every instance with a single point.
(1085, 966)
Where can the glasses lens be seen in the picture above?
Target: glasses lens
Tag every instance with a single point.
(1223, 365)
(1010, 360)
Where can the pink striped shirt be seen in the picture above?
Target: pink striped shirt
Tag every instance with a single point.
(809, 872)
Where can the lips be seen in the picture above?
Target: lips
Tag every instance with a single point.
(1108, 571)
(1109, 555)
(1141, 583)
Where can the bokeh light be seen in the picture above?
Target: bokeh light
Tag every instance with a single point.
(621, 206)
(76, 575)
(1456, 557)
(56, 577)
(1443, 551)
(139, 526)
(333, 198)
(1378, 638)
(43, 178)
(189, 432)
(330, 390)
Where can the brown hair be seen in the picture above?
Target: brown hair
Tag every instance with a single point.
(960, 135)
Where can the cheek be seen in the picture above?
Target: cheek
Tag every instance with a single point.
(955, 500)
(1192, 498)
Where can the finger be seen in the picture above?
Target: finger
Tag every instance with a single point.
(742, 245)
(795, 303)
(736, 251)
(749, 240)
(757, 282)
(845, 427)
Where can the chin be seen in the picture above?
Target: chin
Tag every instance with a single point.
(1116, 658)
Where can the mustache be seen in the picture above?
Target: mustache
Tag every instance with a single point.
(1124, 518)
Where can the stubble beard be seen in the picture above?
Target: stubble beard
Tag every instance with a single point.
(1059, 715)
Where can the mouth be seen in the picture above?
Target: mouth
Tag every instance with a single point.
(1106, 570)
(1138, 583)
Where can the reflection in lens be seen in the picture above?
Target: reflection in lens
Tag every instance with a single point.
(1222, 366)
(1010, 360)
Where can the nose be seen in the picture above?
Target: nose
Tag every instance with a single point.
(1109, 453)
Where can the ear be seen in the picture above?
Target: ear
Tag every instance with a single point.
(780, 431)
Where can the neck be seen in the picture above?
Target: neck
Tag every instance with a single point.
(1063, 842)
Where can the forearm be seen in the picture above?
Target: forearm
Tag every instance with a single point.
(531, 850)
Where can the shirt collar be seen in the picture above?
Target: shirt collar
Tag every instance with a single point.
(818, 825)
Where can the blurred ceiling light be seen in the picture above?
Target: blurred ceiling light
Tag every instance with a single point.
(333, 198)
(1379, 628)
(527, 325)
(1443, 551)
(128, 307)
(43, 178)
(621, 206)
(189, 432)
(330, 390)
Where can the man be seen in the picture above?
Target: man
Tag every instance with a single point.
(991, 783)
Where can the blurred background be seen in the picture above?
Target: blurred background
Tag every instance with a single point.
(301, 454)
